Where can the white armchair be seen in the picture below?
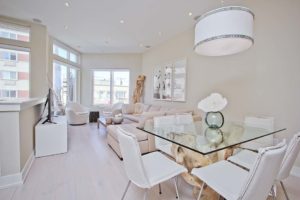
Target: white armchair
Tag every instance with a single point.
(77, 114)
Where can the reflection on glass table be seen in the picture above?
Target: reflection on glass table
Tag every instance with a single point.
(198, 137)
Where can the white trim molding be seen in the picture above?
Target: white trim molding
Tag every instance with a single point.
(18, 178)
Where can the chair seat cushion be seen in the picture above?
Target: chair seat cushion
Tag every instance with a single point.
(244, 158)
(219, 176)
(159, 168)
(131, 128)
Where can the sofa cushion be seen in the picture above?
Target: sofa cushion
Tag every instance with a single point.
(133, 117)
(138, 108)
(179, 111)
(131, 128)
(148, 115)
(146, 107)
(128, 108)
(154, 108)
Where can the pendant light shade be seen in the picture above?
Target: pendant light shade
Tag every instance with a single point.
(224, 31)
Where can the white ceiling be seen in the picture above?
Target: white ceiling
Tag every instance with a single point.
(94, 25)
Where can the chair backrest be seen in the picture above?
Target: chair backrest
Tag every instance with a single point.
(132, 158)
(263, 173)
(290, 157)
(266, 123)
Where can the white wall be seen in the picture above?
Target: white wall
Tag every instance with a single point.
(133, 62)
(261, 81)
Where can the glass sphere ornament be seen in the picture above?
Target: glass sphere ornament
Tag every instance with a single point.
(214, 120)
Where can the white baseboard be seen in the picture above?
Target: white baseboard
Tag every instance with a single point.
(18, 178)
(10, 180)
(296, 171)
(27, 166)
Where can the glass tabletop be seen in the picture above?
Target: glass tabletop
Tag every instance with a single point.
(197, 136)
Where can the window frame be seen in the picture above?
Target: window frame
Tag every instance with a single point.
(111, 70)
(69, 52)
(68, 66)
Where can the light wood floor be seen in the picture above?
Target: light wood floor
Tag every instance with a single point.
(90, 170)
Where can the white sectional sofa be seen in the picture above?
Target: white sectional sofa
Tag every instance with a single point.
(137, 115)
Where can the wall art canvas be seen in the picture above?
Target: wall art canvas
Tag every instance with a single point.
(166, 89)
(169, 81)
(157, 79)
(179, 80)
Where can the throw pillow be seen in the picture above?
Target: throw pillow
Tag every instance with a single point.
(138, 108)
(128, 108)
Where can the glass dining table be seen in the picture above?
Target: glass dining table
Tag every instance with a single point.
(198, 137)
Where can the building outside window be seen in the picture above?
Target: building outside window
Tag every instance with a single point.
(14, 73)
(110, 86)
(14, 62)
(14, 32)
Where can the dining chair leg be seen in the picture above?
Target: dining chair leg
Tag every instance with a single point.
(128, 184)
(175, 183)
(284, 190)
(201, 190)
(146, 194)
(159, 186)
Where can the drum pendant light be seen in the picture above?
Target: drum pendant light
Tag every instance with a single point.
(224, 31)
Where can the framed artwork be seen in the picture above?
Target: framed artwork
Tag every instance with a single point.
(166, 90)
(157, 77)
(179, 80)
(169, 81)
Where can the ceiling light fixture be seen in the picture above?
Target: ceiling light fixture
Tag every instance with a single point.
(122, 21)
(190, 13)
(67, 4)
(224, 31)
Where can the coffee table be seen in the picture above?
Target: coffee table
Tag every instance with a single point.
(102, 120)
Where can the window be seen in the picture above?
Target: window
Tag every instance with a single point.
(8, 94)
(14, 32)
(8, 75)
(66, 73)
(110, 86)
(65, 80)
(14, 73)
(65, 53)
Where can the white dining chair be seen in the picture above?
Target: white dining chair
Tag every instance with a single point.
(246, 156)
(235, 183)
(287, 163)
(148, 170)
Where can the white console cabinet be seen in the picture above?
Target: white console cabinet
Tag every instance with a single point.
(51, 138)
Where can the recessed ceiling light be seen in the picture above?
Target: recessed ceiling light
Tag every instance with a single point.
(67, 4)
(37, 20)
(66, 27)
(122, 21)
(190, 13)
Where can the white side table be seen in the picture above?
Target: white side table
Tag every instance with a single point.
(51, 138)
